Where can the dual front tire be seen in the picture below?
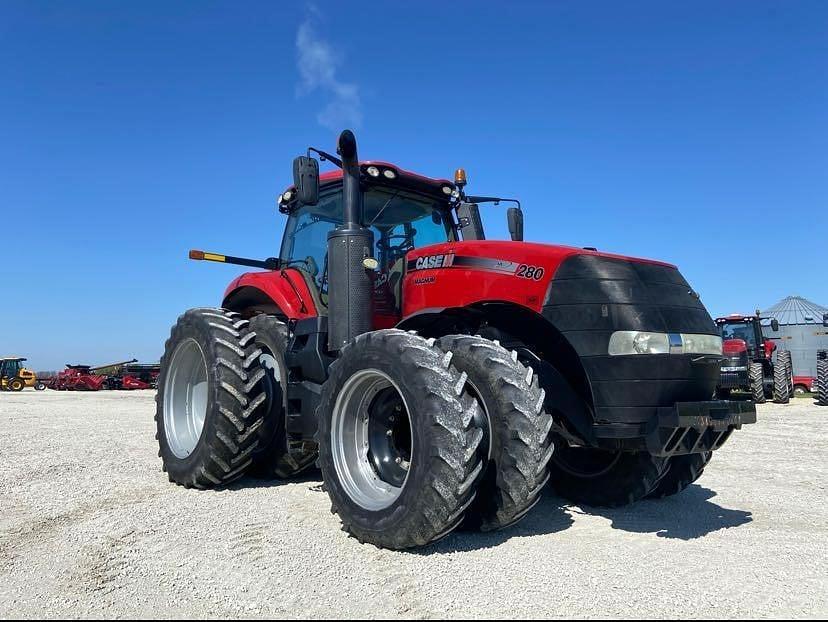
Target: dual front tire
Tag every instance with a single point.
(418, 437)
(783, 377)
(822, 382)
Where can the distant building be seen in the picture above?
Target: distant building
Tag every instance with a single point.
(801, 331)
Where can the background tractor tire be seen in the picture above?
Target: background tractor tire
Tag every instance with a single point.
(210, 401)
(788, 358)
(399, 381)
(680, 473)
(39, 386)
(16, 384)
(603, 478)
(781, 383)
(755, 380)
(822, 383)
(519, 440)
(273, 456)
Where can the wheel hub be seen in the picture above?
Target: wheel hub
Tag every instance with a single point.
(371, 439)
(185, 398)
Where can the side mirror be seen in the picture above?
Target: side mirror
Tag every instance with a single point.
(306, 180)
(774, 325)
(825, 319)
(514, 216)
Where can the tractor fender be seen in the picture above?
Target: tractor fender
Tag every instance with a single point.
(283, 292)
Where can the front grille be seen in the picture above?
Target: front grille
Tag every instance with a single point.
(733, 379)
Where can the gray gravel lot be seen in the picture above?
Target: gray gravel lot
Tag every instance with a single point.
(90, 527)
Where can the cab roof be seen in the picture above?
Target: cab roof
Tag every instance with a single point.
(401, 179)
(735, 317)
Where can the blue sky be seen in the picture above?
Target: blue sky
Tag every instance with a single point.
(695, 133)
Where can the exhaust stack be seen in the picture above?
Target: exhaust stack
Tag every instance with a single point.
(349, 245)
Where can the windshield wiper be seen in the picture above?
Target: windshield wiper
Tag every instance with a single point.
(387, 203)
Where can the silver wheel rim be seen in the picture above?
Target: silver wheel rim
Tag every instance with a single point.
(185, 398)
(354, 458)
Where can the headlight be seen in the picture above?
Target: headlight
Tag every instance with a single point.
(625, 342)
(701, 344)
(638, 342)
(373, 171)
(389, 174)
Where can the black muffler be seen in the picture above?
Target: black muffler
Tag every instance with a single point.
(349, 245)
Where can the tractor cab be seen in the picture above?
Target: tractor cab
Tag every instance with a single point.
(10, 367)
(744, 333)
(404, 211)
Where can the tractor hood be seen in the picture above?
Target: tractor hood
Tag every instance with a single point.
(578, 290)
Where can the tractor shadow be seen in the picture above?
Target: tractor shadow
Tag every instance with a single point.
(311, 476)
(549, 516)
(686, 516)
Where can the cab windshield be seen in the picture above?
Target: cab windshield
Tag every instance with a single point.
(740, 330)
(400, 220)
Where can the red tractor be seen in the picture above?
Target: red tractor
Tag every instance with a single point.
(438, 378)
(749, 364)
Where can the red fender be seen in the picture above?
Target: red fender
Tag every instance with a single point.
(286, 289)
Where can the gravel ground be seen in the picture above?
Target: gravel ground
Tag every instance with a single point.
(90, 527)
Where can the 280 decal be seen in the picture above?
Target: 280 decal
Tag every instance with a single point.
(530, 272)
(503, 266)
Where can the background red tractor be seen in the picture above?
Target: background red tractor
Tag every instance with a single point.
(440, 379)
(750, 365)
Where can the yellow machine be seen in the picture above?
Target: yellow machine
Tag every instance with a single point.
(14, 377)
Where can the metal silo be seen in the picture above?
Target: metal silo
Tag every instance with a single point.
(803, 331)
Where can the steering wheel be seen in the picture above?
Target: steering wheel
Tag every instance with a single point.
(405, 245)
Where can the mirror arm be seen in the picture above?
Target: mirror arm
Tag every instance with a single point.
(324, 155)
(494, 200)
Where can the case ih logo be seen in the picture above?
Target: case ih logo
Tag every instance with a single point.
(434, 261)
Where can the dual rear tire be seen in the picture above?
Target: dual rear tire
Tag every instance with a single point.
(220, 404)
(210, 400)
